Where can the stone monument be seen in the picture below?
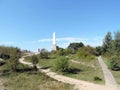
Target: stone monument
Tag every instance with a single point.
(54, 42)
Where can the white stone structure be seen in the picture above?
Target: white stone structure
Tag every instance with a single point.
(54, 42)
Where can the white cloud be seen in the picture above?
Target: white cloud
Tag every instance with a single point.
(64, 42)
(63, 45)
(6, 43)
(68, 39)
(71, 39)
(45, 40)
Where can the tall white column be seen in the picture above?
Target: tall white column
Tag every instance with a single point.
(54, 41)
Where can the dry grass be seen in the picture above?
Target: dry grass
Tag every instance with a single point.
(31, 81)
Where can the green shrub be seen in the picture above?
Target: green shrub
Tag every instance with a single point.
(62, 65)
(114, 63)
(88, 49)
(85, 55)
(35, 61)
(13, 63)
(2, 62)
(96, 78)
(61, 52)
(44, 54)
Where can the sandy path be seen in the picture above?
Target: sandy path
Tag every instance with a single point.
(1, 81)
(109, 79)
(1, 85)
(79, 84)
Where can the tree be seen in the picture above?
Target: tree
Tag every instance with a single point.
(117, 35)
(57, 47)
(60, 52)
(111, 48)
(74, 46)
(116, 45)
(99, 50)
(44, 54)
(115, 63)
(35, 61)
(107, 41)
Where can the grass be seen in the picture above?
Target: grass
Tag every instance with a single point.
(88, 73)
(44, 63)
(29, 80)
(116, 74)
(106, 61)
(85, 73)
(91, 63)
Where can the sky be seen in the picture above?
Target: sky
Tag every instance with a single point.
(29, 24)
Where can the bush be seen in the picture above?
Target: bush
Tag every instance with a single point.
(114, 64)
(35, 61)
(62, 65)
(24, 68)
(88, 49)
(96, 78)
(44, 54)
(60, 52)
(4, 56)
(2, 63)
(13, 63)
(85, 55)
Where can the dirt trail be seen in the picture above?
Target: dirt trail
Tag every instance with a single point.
(79, 84)
(1, 85)
(109, 79)
(1, 81)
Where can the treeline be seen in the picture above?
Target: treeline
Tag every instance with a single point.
(111, 49)
(77, 49)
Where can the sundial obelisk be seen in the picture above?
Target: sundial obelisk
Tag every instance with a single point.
(54, 41)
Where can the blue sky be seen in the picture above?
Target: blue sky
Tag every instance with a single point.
(29, 24)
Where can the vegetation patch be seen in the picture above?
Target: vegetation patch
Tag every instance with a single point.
(86, 53)
(114, 63)
(96, 78)
(87, 73)
(63, 65)
(116, 73)
(2, 62)
(29, 81)
(85, 56)
(26, 78)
